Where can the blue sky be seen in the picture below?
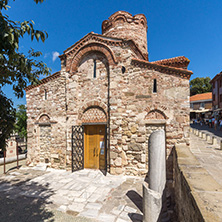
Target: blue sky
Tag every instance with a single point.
(192, 28)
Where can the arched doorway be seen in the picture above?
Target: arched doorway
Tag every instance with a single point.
(94, 121)
(89, 149)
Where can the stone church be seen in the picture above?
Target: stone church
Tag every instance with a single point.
(99, 110)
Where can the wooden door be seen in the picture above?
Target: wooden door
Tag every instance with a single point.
(94, 150)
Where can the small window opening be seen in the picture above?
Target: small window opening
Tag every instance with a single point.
(94, 71)
(154, 86)
(45, 94)
(123, 69)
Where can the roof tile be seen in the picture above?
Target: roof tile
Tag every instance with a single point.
(202, 96)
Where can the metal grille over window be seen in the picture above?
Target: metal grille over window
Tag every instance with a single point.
(77, 148)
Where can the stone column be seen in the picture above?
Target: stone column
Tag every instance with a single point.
(157, 161)
(154, 198)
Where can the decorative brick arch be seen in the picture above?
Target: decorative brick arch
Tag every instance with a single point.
(44, 118)
(92, 104)
(155, 112)
(97, 47)
(94, 115)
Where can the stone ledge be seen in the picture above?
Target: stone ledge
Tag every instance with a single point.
(202, 193)
(155, 121)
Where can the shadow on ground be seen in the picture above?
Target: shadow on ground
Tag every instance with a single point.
(24, 201)
(137, 199)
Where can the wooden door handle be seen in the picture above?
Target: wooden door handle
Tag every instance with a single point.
(94, 151)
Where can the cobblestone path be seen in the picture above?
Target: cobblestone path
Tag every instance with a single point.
(209, 156)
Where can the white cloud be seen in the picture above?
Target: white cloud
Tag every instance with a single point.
(46, 55)
(54, 56)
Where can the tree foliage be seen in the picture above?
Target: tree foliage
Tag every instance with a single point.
(16, 68)
(200, 85)
(21, 121)
(7, 119)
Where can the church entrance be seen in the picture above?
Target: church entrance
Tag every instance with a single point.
(89, 140)
(94, 147)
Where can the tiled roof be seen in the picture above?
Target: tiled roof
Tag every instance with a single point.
(47, 79)
(163, 68)
(202, 96)
(178, 62)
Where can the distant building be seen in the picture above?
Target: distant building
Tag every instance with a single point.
(201, 105)
(217, 93)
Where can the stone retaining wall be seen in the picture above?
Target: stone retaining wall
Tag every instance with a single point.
(194, 188)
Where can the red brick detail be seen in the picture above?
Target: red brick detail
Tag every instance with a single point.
(162, 68)
(94, 115)
(91, 47)
(45, 80)
(92, 104)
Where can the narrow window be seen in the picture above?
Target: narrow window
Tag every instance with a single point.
(45, 94)
(94, 71)
(154, 86)
(123, 69)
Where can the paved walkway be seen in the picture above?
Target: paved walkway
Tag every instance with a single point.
(209, 156)
(35, 194)
(32, 194)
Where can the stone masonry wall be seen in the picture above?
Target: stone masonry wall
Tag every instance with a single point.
(123, 25)
(54, 111)
(132, 100)
(121, 85)
(83, 88)
(135, 111)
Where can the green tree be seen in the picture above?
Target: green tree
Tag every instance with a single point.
(16, 68)
(21, 121)
(200, 85)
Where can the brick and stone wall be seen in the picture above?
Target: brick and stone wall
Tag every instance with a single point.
(120, 95)
(123, 25)
(46, 123)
